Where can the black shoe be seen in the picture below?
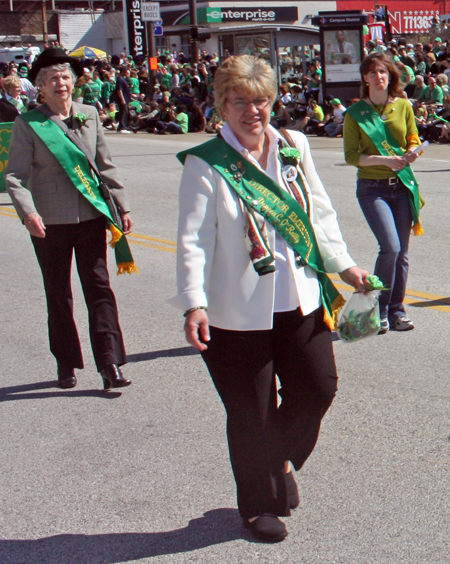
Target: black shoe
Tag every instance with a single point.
(66, 378)
(267, 528)
(292, 491)
(113, 377)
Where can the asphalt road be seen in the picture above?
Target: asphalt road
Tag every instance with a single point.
(89, 477)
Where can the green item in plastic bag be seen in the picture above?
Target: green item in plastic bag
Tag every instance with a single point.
(360, 317)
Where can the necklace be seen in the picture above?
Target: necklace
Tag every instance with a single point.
(382, 114)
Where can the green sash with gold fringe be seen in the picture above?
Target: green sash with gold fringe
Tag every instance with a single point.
(77, 168)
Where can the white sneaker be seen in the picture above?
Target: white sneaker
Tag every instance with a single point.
(124, 131)
(402, 324)
(384, 326)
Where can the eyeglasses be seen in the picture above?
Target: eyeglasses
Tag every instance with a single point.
(241, 105)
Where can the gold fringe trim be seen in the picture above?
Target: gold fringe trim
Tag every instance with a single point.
(116, 234)
(331, 321)
(418, 229)
(126, 268)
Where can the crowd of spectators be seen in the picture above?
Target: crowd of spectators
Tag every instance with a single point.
(424, 72)
(181, 99)
(182, 96)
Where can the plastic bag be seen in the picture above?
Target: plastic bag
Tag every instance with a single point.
(360, 317)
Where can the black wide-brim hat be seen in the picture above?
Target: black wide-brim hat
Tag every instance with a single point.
(54, 56)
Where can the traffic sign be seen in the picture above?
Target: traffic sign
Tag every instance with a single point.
(158, 30)
(150, 11)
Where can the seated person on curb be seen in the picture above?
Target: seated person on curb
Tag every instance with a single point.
(180, 123)
(314, 115)
(337, 125)
(432, 93)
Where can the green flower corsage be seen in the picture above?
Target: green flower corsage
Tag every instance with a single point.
(82, 118)
(290, 155)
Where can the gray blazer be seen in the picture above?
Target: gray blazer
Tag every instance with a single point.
(37, 182)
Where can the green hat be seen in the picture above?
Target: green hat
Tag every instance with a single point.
(438, 39)
(335, 102)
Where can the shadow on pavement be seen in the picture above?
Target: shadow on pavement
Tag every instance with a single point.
(151, 355)
(215, 527)
(429, 303)
(25, 391)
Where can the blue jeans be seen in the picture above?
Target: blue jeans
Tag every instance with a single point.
(387, 211)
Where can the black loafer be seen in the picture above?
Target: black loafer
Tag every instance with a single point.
(292, 490)
(267, 527)
(66, 378)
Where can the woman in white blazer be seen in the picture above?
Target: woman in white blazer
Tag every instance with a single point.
(253, 327)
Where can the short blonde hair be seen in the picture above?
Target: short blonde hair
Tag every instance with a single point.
(248, 75)
(11, 81)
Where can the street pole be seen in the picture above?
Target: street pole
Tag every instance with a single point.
(44, 22)
(194, 31)
(151, 46)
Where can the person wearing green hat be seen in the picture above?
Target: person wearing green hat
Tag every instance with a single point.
(50, 179)
(336, 126)
(437, 45)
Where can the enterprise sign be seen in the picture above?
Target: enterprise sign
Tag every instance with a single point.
(215, 15)
(136, 28)
(241, 14)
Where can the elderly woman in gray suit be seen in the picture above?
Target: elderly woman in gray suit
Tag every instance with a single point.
(57, 198)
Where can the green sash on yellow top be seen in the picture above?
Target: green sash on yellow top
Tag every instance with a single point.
(371, 123)
(77, 168)
(277, 206)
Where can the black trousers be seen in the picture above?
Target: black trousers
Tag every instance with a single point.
(54, 254)
(122, 116)
(262, 435)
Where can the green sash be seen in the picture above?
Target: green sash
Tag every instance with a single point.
(277, 206)
(19, 105)
(77, 168)
(372, 124)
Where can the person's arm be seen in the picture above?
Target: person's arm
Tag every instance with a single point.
(119, 93)
(439, 95)
(423, 94)
(18, 170)
(109, 173)
(332, 246)
(412, 135)
(197, 228)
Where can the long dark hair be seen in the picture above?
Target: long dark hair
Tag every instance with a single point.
(369, 63)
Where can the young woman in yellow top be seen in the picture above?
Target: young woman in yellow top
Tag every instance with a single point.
(384, 199)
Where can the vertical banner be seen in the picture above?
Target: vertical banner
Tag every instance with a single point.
(137, 40)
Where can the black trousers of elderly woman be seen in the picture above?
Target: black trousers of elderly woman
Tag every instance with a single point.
(54, 253)
(262, 435)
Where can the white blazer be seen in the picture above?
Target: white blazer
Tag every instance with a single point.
(213, 264)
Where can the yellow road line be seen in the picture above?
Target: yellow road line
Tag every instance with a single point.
(414, 293)
(146, 237)
(170, 247)
(160, 248)
(8, 213)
